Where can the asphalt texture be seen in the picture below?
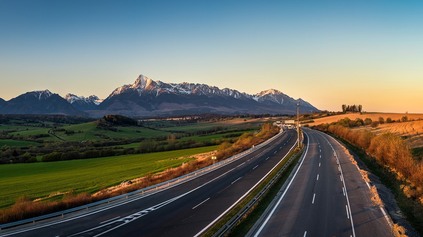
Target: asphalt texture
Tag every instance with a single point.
(327, 197)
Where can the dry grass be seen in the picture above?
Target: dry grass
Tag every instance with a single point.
(399, 231)
(364, 174)
(413, 131)
(372, 116)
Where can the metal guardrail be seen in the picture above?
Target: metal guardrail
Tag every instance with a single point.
(139, 193)
(234, 220)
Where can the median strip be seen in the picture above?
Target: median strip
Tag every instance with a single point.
(226, 222)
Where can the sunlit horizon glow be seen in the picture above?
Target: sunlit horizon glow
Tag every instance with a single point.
(328, 53)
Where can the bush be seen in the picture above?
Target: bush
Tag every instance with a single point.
(55, 156)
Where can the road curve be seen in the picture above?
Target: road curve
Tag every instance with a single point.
(183, 210)
(327, 196)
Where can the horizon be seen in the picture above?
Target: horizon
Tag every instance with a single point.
(327, 53)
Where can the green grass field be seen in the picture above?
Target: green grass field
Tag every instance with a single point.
(38, 180)
(14, 143)
(87, 131)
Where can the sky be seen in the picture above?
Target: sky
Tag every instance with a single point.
(326, 52)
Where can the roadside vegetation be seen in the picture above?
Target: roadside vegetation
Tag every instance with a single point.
(246, 141)
(390, 157)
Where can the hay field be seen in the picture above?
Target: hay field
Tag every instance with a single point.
(412, 131)
(372, 116)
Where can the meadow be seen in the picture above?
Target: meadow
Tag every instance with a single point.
(44, 179)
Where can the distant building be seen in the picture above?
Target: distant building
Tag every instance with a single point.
(289, 122)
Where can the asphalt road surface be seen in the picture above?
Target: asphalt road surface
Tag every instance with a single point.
(184, 210)
(327, 197)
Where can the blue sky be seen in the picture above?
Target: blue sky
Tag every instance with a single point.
(326, 52)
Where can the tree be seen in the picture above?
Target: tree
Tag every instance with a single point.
(404, 119)
(344, 108)
(381, 120)
(367, 121)
(360, 108)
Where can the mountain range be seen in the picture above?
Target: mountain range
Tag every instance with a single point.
(149, 98)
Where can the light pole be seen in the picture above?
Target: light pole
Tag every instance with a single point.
(298, 124)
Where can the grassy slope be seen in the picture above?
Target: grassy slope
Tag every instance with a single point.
(41, 179)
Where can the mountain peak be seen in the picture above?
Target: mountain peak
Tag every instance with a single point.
(270, 92)
(143, 82)
(42, 94)
(92, 99)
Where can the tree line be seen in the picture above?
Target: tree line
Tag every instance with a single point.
(352, 108)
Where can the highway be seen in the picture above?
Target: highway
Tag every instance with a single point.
(183, 210)
(327, 196)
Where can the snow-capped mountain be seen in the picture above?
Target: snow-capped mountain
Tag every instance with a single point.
(83, 103)
(39, 102)
(146, 97)
(145, 85)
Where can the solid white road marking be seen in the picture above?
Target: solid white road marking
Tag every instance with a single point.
(236, 180)
(255, 167)
(368, 185)
(249, 191)
(283, 194)
(201, 203)
(346, 208)
(314, 197)
(346, 191)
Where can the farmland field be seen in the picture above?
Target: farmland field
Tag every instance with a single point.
(41, 179)
(373, 116)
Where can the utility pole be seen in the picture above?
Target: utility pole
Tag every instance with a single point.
(298, 124)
